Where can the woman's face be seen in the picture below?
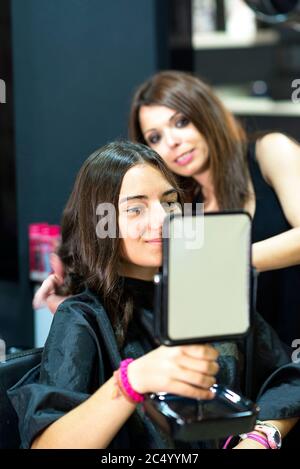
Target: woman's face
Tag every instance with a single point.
(175, 139)
(144, 200)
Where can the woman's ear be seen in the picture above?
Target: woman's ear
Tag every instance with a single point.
(57, 267)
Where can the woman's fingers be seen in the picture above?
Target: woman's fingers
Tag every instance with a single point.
(46, 289)
(195, 378)
(53, 302)
(57, 267)
(171, 370)
(207, 367)
(45, 295)
(205, 352)
(187, 390)
(196, 366)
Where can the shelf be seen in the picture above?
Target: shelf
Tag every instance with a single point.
(222, 40)
(248, 105)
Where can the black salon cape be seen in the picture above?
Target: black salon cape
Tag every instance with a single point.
(76, 362)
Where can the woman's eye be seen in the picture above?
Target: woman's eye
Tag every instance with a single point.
(171, 207)
(182, 122)
(135, 210)
(153, 139)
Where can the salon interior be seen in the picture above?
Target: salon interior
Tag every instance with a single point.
(68, 72)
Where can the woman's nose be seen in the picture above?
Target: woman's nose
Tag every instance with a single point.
(157, 216)
(172, 138)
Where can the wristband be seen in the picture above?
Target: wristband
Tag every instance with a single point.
(271, 432)
(121, 380)
(259, 438)
(225, 446)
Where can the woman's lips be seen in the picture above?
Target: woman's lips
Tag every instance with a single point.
(154, 241)
(185, 158)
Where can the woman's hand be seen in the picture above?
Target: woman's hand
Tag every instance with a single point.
(187, 370)
(45, 295)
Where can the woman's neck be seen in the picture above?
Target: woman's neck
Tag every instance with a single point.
(204, 180)
(138, 272)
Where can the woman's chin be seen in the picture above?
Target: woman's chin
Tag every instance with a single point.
(155, 262)
(187, 171)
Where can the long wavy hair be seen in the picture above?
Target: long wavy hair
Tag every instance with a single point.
(90, 261)
(225, 137)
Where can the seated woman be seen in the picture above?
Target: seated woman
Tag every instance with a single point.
(78, 398)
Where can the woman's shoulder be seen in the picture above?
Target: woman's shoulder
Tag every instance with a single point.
(273, 142)
(273, 151)
(78, 322)
(86, 296)
(82, 307)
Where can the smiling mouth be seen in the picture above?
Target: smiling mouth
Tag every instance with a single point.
(155, 241)
(185, 157)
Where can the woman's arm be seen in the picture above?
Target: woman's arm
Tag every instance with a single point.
(277, 252)
(188, 371)
(279, 161)
(283, 425)
(91, 425)
(275, 381)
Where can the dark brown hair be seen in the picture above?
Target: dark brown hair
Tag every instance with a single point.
(88, 260)
(224, 135)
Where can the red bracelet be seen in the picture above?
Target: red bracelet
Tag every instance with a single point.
(135, 396)
(121, 381)
(119, 390)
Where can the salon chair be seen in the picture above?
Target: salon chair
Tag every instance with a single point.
(12, 370)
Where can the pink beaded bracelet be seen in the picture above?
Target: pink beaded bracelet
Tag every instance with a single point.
(260, 439)
(123, 377)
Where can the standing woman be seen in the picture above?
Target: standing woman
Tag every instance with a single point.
(179, 116)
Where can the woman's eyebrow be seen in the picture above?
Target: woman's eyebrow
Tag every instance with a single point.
(170, 120)
(132, 197)
(174, 116)
(170, 191)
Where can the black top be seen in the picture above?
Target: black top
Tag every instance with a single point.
(81, 353)
(278, 294)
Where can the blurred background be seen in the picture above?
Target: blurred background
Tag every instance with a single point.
(71, 67)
